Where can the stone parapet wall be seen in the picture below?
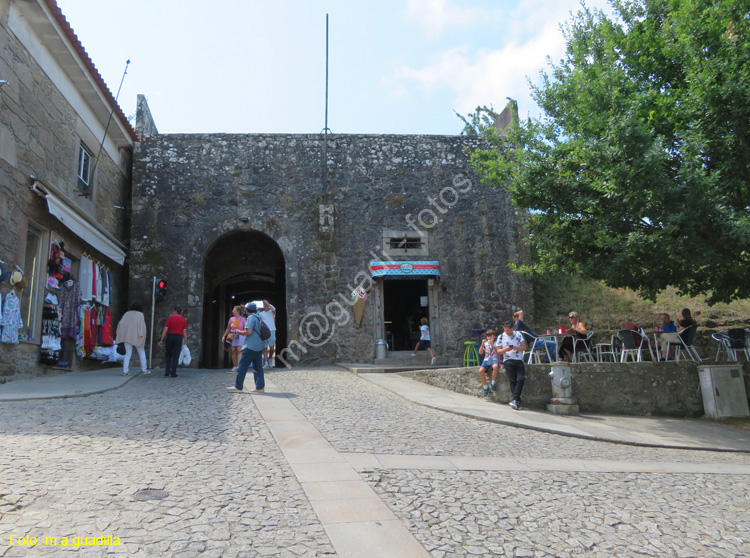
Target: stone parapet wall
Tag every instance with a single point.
(640, 389)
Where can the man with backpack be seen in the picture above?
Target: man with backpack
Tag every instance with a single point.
(252, 351)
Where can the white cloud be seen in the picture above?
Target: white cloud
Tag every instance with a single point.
(436, 15)
(483, 77)
(474, 76)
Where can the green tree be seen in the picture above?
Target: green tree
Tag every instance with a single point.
(638, 172)
(476, 122)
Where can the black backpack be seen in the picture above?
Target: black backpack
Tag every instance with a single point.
(263, 330)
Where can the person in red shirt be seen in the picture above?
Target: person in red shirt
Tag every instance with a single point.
(175, 333)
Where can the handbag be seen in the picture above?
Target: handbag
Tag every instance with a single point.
(121, 348)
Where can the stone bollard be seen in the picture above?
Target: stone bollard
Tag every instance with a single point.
(562, 402)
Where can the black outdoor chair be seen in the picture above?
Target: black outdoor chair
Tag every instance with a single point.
(731, 342)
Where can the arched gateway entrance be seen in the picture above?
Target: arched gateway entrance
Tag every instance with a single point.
(241, 267)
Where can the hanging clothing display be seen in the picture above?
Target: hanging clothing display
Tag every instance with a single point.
(51, 344)
(86, 278)
(10, 320)
(70, 300)
(84, 310)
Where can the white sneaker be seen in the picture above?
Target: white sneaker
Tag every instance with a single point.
(433, 360)
(234, 369)
(412, 355)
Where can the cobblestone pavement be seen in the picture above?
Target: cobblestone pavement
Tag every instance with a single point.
(535, 514)
(70, 468)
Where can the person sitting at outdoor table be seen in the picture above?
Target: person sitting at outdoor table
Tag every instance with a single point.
(669, 332)
(520, 325)
(576, 331)
(673, 333)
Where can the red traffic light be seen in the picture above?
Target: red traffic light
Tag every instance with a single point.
(161, 290)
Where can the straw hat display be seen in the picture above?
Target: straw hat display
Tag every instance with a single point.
(17, 280)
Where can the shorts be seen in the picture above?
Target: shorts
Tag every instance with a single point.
(489, 362)
(271, 341)
(238, 340)
(424, 345)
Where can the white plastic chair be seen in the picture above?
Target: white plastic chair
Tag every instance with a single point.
(582, 348)
(611, 349)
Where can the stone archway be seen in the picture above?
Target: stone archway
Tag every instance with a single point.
(240, 267)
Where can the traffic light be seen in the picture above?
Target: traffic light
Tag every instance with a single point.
(161, 289)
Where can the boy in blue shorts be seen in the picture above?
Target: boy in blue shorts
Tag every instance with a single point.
(491, 360)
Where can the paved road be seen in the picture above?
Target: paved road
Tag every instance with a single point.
(462, 487)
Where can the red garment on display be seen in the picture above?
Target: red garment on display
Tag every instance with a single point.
(106, 330)
(89, 330)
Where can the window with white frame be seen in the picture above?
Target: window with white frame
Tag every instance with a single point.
(84, 167)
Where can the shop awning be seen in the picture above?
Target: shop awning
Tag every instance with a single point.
(82, 226)
(405, 270)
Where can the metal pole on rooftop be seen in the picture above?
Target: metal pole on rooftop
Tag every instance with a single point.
(101, 145)
(326, 130)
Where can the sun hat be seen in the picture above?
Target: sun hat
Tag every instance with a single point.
(16, 277)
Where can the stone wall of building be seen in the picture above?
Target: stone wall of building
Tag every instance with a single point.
(192, 190)
(40, 134)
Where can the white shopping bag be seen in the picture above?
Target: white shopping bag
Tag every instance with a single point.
(185, 357)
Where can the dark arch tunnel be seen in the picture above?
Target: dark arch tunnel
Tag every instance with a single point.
(241, 267)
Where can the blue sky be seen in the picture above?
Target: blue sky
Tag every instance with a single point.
(251, 66)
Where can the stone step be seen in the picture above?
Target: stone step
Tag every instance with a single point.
(419, 360)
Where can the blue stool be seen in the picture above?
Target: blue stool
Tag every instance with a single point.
(471, 355)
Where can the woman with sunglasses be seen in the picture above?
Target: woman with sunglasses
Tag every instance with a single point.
(576, 331)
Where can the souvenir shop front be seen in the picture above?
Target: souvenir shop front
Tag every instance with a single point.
(76, 312)
(67, 295)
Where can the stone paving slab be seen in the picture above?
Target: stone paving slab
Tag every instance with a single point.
(361, 511)
(367, 462)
